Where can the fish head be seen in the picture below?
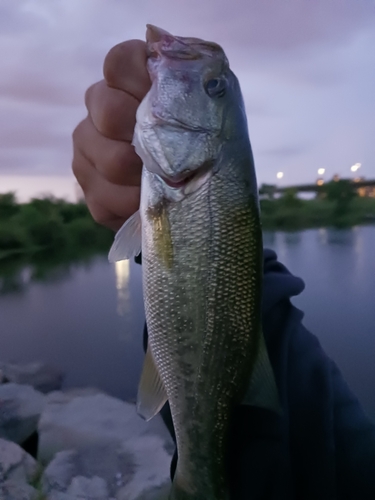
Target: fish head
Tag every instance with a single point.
(193, 109)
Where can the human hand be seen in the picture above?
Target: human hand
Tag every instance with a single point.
(104, 161)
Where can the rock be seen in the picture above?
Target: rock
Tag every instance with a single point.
(92, 420)
(17, 468)
(93, 488)
(120, 476)
(59, 473)
(97, 436)
(15, 463)
(60, 397)
(20, 409)
(10, 490)
(42, 377)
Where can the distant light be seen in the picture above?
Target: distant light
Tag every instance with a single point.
(321, 171)
(320, 182)
(280, 175)
(355, 167)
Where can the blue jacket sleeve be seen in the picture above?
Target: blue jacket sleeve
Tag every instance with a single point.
(331, 440)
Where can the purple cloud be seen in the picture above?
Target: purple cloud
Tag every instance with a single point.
(307, 70)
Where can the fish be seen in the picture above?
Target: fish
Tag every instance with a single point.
(198, 228)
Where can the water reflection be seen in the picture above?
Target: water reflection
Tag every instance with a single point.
(122, 285)
(341, 236)
(292, 238)
(269, 238)
(323, 236)
(18, 273)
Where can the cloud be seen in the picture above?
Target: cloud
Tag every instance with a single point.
(306, 69)
(39, 90)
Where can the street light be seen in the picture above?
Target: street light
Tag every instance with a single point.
(280, 175)
(321, 171)
(355, 167)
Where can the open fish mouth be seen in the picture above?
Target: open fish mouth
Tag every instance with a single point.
(178, 182)
(190, 180)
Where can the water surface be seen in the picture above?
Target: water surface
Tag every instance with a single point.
(87, 318)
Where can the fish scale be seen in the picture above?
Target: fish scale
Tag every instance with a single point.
(203, 320)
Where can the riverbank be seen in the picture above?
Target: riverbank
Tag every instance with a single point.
(290, 213)
(58, 229)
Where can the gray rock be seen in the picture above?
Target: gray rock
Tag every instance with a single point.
(102, 437)
(9, 490)
(15, 463)
(93, 420)
(59, 473)
(92, 488)
(17, 468)
(42, 377)
(63, 397)
(20, 409)
(124, 474)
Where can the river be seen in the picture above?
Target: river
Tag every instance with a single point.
(87, 317)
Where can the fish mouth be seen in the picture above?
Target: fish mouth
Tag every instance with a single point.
(188, 178)
(179, 181)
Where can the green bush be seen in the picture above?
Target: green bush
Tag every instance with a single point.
(8, 206)
(11, 237)
(47, 233)
(49, 224)
(85, 232)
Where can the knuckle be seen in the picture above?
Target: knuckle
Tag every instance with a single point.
(77, 132)
(77, 172)
(99, 215)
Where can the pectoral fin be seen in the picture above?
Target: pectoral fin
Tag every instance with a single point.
(262, 391)
(151, 392)
(128, 240)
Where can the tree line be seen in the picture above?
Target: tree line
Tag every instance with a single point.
(57, 226)
(337, 204)
(50, 224)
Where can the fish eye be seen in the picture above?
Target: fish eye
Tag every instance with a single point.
(215, 87)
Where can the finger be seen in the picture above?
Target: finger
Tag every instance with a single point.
(116, 161)
(112, 111)
(125, 68)
(109, 204)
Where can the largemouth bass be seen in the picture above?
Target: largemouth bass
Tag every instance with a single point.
(199, 232)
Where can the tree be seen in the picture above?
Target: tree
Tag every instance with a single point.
(8, 205)
(290, 199)
(341, 192)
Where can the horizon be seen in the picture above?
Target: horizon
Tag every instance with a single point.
(307, 73)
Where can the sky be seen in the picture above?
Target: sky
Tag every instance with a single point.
(306, 68)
